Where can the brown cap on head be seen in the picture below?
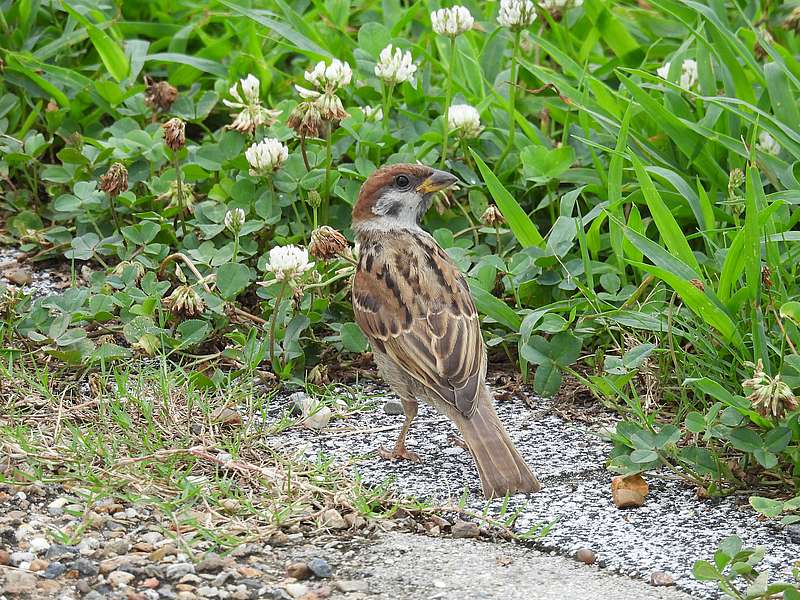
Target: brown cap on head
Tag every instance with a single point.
(421, 178)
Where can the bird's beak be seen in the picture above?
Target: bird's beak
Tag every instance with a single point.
(437, 181)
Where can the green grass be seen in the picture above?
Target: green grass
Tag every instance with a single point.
(145, 435)
(650, 240)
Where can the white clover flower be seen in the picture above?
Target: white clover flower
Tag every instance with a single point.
(288, 262)
(251, 86)
(234, 219)
(307, 94)
(372, 113)
(465, 120)
(395, 66)
(329, 78)
(251, 117)
(767, 144)
(251, 114)
(330, 107)
(452, 21)
(266, 156)
(516, 14)
(688, 73)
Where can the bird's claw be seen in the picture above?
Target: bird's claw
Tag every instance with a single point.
(457, 441)
(399, 454)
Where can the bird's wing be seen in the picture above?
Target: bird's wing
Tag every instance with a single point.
(414, 305)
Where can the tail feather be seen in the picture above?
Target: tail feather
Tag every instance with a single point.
(501, 468)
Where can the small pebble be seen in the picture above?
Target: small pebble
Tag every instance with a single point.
(119, 546)
(661, 578)
(586, 556)
(211, 563)
(38, 564)
(151, 537)
(151, 583)
(298, 570)
(39, 545)
(296, 590)
(178, 570)
(465, 529)
(320, 568)
(19, 582)
(20, 557)
(332, 519)
(60, 551)
(120, 579)
(54, 569)
(85, 567)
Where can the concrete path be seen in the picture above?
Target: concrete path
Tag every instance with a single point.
(417, 567)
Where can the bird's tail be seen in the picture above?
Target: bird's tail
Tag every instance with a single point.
(501, 468)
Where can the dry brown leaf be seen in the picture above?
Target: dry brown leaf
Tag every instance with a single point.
(629, 492)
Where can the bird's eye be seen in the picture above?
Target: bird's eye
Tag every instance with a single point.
(401, 181)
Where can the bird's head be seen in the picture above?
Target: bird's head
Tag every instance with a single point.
(397, 196)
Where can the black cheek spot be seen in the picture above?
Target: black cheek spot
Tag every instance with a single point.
(370, 258)
(393, 210)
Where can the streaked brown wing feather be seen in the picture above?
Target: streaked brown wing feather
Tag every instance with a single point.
(414, 305)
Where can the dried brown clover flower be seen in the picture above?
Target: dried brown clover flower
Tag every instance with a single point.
(174, 134)
(492, 216)
(115, 180)
(306, 120)
(184, 300)
(327, 243)
(159, 95)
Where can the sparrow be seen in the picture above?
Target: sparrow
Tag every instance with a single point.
(415, 307)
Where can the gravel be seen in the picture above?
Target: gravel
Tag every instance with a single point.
(39, 282)
(666, 535)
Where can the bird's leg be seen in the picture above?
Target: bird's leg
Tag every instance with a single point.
(400, 451)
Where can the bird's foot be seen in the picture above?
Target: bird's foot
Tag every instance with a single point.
(457, 441)
(399, 454)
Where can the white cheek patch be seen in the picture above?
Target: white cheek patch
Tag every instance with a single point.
(401, 207)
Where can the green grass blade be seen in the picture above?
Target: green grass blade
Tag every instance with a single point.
(495, 308)
(284, 31)
(111, 54)
(202, 64)
(522, 226)
(667, 226)
(698, 303)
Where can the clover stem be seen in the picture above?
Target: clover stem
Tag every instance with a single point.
(304, 153)
(448, 98)
(273, 323)
(387, 105)
(512, 99)
(179, 190)
(113, 205)
(328, 164)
